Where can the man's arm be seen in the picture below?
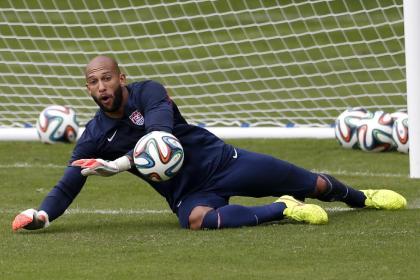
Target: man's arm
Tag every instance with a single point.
(54, 204)
(63, 193)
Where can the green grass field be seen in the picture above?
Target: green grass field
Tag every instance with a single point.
(119, 228)
(278, 64)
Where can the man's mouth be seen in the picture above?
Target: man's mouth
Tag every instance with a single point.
(105, 99)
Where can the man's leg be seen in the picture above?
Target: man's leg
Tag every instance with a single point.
(258, 175)
(261, 175)
(209, 210)
(233, 216)
(329, 188)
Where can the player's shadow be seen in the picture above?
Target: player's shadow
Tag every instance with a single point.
(107, 227)
(150, 225)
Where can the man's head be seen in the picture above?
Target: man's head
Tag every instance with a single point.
(104, 82)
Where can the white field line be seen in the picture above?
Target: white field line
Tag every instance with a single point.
(140, 212)
(335, 172)
(30, 165)
(361, 173)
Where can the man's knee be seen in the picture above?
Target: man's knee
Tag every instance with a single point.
(197, 215)
(321, 186)
(330, 189)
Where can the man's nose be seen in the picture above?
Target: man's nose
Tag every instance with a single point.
(101, 86)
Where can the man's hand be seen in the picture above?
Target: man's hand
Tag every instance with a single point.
(97, 166)
(30, 219)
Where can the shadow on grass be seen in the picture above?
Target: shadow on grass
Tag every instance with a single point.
(169, 224)
(107, 227)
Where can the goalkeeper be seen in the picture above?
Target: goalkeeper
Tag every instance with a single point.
(212, 171)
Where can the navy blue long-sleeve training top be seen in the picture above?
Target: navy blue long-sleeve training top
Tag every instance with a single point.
(148, 109)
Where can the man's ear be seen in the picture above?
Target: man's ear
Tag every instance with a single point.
(87, 87)
(123, 79)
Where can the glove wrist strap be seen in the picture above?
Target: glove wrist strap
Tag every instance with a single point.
(123, 163)
(44, 214)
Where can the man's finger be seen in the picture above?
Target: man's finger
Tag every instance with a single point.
(88, 172)
(78, 162)
(86, 163)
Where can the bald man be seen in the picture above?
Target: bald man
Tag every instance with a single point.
(212, 171)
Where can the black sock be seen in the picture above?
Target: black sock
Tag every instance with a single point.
(338, 191)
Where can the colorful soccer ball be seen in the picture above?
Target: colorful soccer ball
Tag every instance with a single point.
(400, 131)
(158, 156)
(57, 124)
(346, 126)
(398, 114)
(374, 132)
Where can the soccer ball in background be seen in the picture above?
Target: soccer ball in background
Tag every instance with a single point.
(398, 114)
(158, 156)
(346, 126)
(374, 132)
(57, 124)
(400, 131)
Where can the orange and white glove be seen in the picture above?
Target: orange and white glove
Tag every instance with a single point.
(30, 219)
(97, 166)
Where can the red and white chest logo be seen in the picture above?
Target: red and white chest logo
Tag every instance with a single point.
(137, 118)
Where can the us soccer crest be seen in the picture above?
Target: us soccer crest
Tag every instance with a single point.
(137, 118)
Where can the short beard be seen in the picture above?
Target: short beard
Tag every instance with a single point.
(116, 103)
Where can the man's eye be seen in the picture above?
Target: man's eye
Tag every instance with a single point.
(107, 78)
(92, 82)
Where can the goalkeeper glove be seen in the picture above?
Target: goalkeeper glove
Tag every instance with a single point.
(102, 167)
(31, 219)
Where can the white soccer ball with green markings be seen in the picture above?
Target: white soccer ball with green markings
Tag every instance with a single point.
(346, 126)
(57, 124)
(374, 132)
(400, 131)
(158, 156)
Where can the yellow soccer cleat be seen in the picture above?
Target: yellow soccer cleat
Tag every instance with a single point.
(301, 212)
(384, 199)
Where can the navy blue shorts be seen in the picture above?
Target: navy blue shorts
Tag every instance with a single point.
(253, 175)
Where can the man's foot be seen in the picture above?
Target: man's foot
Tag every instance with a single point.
(384, 199)
(299, 211)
